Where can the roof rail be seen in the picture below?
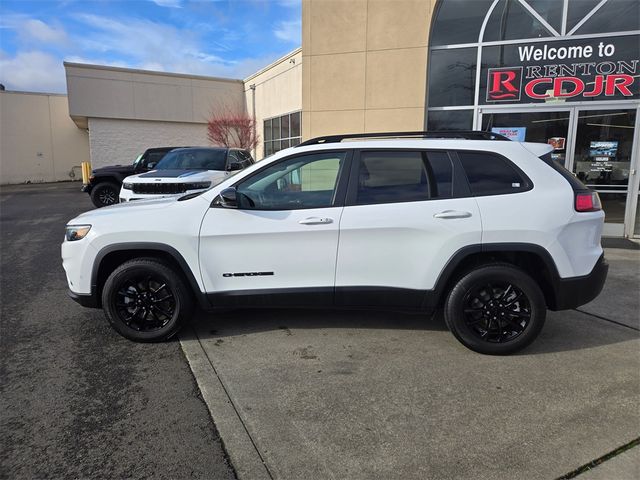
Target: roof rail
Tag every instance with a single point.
(461, 134)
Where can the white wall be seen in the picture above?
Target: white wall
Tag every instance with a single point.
(115, 141)
(38, 140)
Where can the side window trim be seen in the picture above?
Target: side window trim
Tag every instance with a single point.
(459, 186)
(341, 183)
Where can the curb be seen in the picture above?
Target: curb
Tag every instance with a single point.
(244, 456)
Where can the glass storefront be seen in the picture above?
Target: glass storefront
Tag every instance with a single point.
(545, 127)
(563, 72)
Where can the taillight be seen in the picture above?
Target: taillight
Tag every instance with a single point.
(588, 202)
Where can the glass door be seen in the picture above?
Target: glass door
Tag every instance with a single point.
(550, 127)
(603, 160)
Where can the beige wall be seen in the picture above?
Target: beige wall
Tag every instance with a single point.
(278, 90)
(365, 65)
(38, 140)
(110, 92)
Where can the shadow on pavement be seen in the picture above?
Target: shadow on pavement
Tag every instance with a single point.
(563, 331)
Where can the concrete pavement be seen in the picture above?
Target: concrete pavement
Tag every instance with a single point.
(324, 394)
(619, 298)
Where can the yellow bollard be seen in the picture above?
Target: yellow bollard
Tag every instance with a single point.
(86, 172)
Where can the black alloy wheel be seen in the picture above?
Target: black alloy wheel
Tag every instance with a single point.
(495, 309)
(105, 194)
(497, 313)
(145, 303)
(146, 300)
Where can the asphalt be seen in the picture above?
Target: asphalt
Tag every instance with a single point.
(76, 399)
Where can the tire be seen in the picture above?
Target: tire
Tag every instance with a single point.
(146, 300)
(105, 194)
(496, 309)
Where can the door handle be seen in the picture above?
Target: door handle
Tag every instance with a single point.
(452, 214)
(316, 221)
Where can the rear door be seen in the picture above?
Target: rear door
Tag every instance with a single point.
(407, 212)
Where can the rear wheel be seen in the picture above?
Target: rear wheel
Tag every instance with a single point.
(105, 194)
(145, 300)
(495, 309)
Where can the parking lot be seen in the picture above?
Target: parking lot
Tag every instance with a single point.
(77, 400)
(301, 394)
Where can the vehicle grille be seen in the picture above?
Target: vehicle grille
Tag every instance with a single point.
(162, 188)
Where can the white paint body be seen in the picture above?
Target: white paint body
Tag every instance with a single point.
(399, 245)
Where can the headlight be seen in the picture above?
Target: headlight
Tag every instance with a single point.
(127, 186)
(76, 232)
(198, 185)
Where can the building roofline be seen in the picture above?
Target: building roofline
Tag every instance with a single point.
(274, 63)
(26, 92)
(150, 72)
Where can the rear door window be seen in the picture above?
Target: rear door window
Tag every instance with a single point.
(402, 176)
(492, 174)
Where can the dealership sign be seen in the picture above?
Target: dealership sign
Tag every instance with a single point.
(594, 70)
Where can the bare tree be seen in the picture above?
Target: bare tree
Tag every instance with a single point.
(231, 128)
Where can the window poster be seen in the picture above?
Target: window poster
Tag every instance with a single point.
(517, 134)
(602, 153)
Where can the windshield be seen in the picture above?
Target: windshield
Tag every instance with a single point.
(204, 159)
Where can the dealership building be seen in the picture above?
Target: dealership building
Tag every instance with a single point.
(563, 72)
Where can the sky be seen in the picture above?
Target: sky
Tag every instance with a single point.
(226, 38)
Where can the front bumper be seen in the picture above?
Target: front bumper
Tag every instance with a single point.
(576, 291)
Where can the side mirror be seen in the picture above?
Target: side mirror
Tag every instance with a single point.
(229, 198)
(233, 166)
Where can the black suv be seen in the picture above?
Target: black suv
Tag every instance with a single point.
(105, 182)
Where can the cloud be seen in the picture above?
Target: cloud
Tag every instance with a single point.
(39, 31)
(168, 3)
(34, 71)
(146, 44)
(289, 31)
(34, 31)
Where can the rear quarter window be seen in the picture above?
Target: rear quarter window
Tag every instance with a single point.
(575, 183)
(492, 174)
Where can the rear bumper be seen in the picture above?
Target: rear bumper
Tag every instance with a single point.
(576, 291)
(85, 299)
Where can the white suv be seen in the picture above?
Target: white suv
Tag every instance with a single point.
(185, 170)
(492, 230)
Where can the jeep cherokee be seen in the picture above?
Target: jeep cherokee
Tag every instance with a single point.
(492, 231)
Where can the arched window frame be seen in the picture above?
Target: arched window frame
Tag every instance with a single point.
(554, 35)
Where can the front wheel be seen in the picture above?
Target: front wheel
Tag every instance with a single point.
(105, 194)
(495, 309)
(145, 300)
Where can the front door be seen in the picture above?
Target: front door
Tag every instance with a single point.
(603, 160)
(282, 239)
